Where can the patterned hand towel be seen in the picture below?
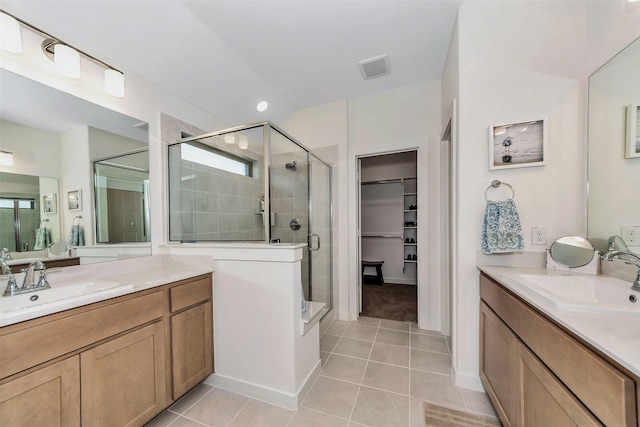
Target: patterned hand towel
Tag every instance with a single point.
(43, 240)
(501, 230)
(76, 236)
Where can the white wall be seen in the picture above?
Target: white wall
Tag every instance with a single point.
(517, 60)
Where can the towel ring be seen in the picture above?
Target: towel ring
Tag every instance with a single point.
(495, 184)
(79, 218)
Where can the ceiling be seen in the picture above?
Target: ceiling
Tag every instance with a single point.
(225, 56)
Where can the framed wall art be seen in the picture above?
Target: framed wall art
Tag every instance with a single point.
(49, 205)
(74, 200)
(632, 148)
(518, 145)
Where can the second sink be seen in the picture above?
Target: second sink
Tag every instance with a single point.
(591, 293)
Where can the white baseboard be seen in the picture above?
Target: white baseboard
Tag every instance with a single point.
(266, 394)
(471, 382)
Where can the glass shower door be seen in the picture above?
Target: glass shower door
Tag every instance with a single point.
(320, 231)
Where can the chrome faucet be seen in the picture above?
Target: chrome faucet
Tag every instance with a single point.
(610, 255)
(29, 277)
(12, 286)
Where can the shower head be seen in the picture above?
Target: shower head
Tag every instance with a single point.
(291, 167)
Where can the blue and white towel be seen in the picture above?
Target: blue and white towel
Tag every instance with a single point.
(76, 236)
(501, 230)
(43, 239)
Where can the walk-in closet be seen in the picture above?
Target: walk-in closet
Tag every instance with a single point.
(389, 236)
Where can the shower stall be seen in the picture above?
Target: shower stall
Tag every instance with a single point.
(254, 183)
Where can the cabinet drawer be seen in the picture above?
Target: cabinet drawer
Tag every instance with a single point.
(606, 391)
(190, 293)
(31, 346)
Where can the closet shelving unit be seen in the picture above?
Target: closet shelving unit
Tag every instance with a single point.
(410, 220)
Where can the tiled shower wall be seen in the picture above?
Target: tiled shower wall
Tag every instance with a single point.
(210, 204)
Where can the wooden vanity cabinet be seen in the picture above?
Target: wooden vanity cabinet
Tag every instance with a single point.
(119, 362)
(123, 380)
(49, 396)
(538, 374)
(191, 334)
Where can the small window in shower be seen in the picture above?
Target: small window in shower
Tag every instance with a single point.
(214, 158)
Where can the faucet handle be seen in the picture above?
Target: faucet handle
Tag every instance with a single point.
(12, 286)
(43, 283)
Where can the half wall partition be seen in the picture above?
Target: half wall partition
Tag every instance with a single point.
(254, 183)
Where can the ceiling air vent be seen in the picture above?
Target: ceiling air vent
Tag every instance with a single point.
(375, 67)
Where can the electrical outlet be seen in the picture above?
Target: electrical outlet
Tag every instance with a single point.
(538, 235)
(630, 234)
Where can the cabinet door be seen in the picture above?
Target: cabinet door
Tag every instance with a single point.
(192, 347)
(544, 400)
(123, 380)
(47, 397)
(497, 347)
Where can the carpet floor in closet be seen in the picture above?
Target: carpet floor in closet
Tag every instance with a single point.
(390, 301)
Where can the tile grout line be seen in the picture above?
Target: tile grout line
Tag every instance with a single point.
(355, 402)
(240, 411)
(193, 404)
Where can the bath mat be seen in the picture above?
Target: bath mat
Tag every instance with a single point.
(438, 416)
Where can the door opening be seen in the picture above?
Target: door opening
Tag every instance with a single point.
(388, 236)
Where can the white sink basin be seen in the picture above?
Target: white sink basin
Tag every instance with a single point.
(60, 295)
(584, 293)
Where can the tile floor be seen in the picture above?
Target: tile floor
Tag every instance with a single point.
(375, 373)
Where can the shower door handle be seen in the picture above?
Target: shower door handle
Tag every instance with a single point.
(313, 240)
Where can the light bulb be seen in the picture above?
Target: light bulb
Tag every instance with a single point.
(114, 83)
(243, 142)
(10, 37)
(6, 158)
(230, 138)
(66, 60)
(262, 106)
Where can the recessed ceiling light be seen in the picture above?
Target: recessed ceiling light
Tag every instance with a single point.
(262, 106)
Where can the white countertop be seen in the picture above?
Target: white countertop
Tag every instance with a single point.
(616, 335)
(140, 273)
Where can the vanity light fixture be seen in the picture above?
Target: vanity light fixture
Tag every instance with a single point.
(6, 158)
(230, 138)
(66, 60)
(262, 106)
(114, 83)
(10, 37)
(243, 142)
(65, 57)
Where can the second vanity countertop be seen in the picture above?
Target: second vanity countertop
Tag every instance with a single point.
(616, 335)
(117, 278)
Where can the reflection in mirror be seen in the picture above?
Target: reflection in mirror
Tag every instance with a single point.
(122, 198)
(23, 218)
(572, 251)
(56, 135)
(616, 243)
(613, 180)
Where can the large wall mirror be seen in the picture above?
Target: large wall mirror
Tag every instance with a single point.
(54, 140)
(614, 175)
